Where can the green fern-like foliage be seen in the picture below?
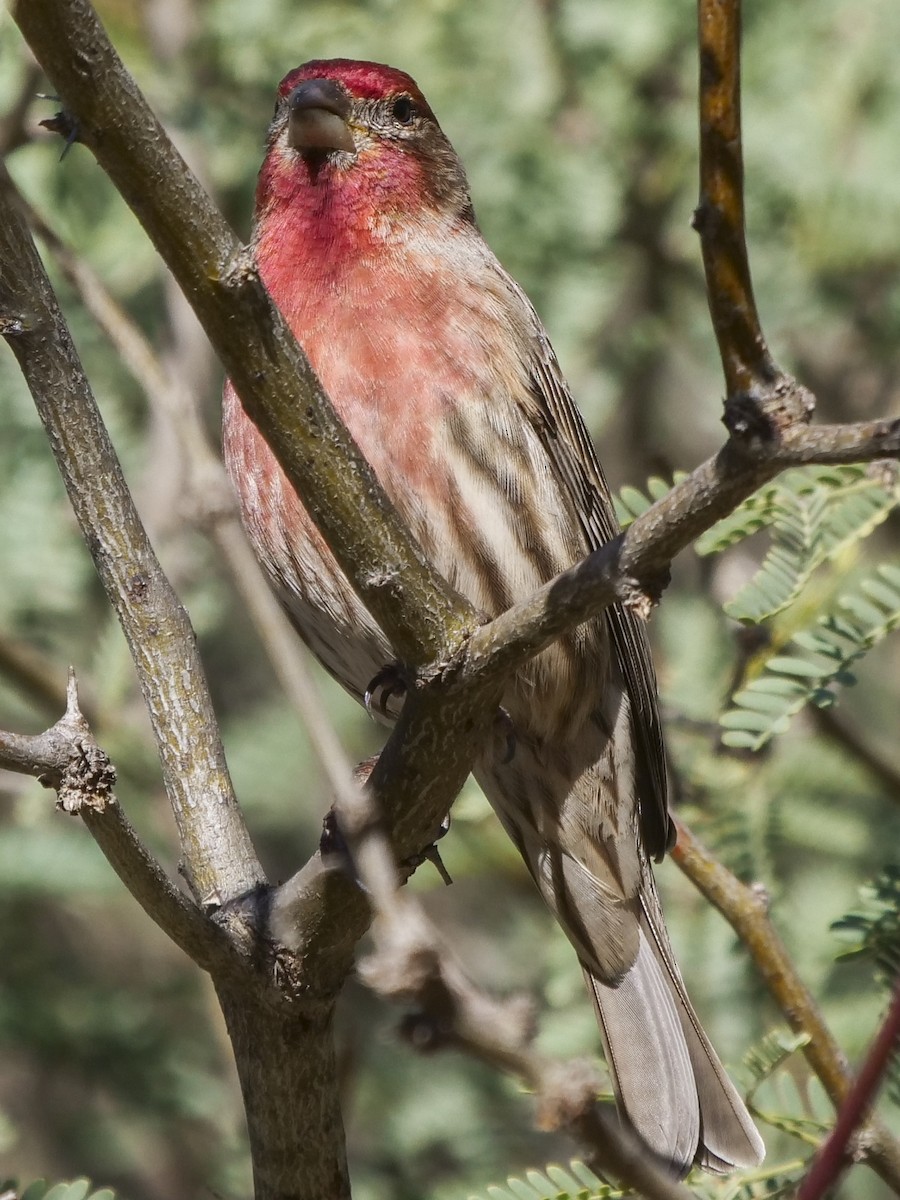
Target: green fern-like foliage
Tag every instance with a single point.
(814, 516)
(572, 1182)
(819, 660)
(770, 1054)
(874, 930)
(578, 1182)
(77, 1189)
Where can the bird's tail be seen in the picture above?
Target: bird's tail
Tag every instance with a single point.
(668, 1078)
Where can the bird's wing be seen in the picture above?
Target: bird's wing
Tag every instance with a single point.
(571, 451)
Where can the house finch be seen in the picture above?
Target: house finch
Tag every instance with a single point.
(366, 238)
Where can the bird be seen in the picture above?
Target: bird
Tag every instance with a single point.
(366, 238)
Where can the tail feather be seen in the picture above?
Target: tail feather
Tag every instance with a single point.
(649, 1060)
(667, 1077)
(586, 859)
(729, 1137)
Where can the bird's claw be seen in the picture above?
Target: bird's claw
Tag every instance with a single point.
(390, 681)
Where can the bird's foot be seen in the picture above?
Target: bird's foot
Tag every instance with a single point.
(390, 682)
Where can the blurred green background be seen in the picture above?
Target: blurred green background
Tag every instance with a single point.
(576, 121)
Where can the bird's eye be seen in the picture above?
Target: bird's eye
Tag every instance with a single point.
(403, 110)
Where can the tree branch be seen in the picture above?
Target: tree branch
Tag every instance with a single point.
(410, 965)
(210, 502)
(833, 1157)
(620, 570)
(422, 618)
(217, 850)
(719, 217)
(66, 757)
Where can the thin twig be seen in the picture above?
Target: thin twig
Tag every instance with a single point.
(746, 910)
(67, 758)
(719, 217)
(834, 1155)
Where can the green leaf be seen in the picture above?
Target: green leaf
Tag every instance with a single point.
(815, 515)
(824, 654)
(77, 1189)
(631, 502)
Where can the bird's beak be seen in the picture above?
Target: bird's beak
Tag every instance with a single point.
(319, 113)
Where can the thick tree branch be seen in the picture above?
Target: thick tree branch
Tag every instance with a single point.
(209, 501)
(67, 758)
(217, 851)
(746, 910)
(407, 597)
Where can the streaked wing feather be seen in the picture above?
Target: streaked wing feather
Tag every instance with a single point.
(572, 452)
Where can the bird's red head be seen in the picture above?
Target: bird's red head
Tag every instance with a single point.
(365, 80)
(359, 142)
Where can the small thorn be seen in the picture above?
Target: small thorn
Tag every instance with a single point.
(433, 855)
(72, 708)
(63, 122)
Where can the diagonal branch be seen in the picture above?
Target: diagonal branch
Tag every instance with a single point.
(210, 501)
(421, 616)
(410, 965)
(619, 570)
(837, 1151)
(219, 857)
